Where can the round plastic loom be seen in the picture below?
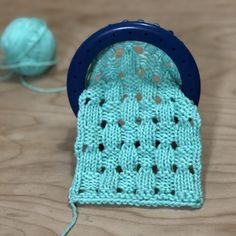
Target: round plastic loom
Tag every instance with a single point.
(132, 31)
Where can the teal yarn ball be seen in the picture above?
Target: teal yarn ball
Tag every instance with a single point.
(28, 47)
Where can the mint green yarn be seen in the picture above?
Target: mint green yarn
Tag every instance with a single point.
(73, 222)
(28, 47)
(138, 141)
(37, 89)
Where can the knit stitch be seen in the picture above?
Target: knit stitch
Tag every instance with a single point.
(138, 136)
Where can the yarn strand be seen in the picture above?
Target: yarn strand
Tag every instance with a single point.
(33, 88)
(73, 222)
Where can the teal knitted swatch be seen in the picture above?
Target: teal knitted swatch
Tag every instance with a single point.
(138, 136)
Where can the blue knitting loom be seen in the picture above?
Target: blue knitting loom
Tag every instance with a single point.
(138, 31)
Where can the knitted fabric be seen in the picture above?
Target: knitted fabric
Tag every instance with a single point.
(138, 140)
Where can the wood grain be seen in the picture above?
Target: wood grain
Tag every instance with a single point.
(37, 131)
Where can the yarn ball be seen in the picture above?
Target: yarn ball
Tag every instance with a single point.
(28, 46)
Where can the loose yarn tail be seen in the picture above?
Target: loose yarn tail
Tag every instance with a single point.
(25, 83)
(33, 88)
(73, 222)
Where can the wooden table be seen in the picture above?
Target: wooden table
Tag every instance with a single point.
(37, 131)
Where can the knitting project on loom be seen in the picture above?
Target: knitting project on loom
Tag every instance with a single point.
(138, 136)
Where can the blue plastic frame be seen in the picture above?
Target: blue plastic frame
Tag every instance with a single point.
(136, 31)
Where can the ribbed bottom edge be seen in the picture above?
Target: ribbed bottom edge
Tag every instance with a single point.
(195, 203)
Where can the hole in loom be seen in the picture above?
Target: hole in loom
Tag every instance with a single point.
(102, 169)
(191, 169)
(190, 120)
(156, 190)
(119, 169)
(81, 190)
(157, 99)
(121, 122)
(137, 144)
(157, 143)
(84, 147)
(135, 191)
(138, 97)
(98, 77)
(141, 71)
(172, 99)
(124, 97)
(174, 145)
(103, 124)
(119, 190)
(101, 147)
(138, 49)
(102, 101)
(137, 167)
(172, 192)
(146, 33)
(176, 120)
(156, 78)
(173, 49)
(154, 120)
(87, 100)
(99, 40)
(119, 52)
(130, 32)
(161, 40)
(114, 35)
(138, 120)
(154, 169)
(174, 168)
